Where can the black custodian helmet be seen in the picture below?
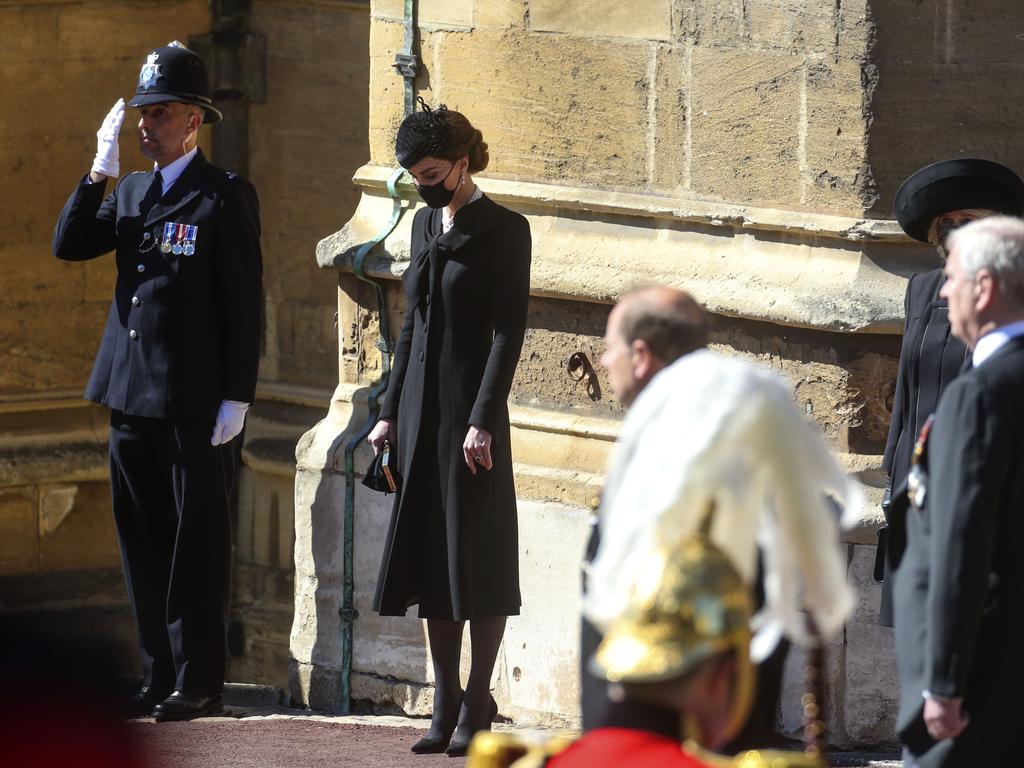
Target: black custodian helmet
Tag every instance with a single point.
(175, 73)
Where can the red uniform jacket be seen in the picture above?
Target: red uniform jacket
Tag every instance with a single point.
(623, 748)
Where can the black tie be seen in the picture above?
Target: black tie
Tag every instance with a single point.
(154, 193)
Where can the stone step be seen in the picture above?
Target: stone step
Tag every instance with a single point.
(250, 695)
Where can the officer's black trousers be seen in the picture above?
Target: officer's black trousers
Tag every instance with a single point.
(170, 492)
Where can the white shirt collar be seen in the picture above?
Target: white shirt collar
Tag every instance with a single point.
(170, 172)
(992, 341)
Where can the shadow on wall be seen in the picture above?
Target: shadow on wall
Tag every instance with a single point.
(940, 88)
(389, 662)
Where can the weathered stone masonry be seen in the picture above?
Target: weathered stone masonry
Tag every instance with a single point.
(746, 151)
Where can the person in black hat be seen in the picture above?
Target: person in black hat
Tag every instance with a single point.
(176, 367)
(452, 544)
(929, 205)
(958, 585)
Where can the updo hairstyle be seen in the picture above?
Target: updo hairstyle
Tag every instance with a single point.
(442, 133)
(464, 139)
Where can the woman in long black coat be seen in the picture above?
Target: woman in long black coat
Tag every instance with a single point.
(929, 205)
(452, 543)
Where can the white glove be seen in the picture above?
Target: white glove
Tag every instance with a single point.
(230, 419)
(107, 162)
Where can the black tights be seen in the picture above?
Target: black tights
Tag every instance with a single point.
(445, 638)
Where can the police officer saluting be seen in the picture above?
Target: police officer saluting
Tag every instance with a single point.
(176, 366)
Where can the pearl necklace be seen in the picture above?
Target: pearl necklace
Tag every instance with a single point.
(447, 219)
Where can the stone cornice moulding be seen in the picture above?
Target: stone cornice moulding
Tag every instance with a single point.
(276, 391)
(718, 213)
(294, 394)
(39, 401)
(578, 425)
(541, 442)
(795, 268)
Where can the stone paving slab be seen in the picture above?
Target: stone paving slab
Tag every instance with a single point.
(251, 695)
(257, 736)
(284, 742)
(865, 760)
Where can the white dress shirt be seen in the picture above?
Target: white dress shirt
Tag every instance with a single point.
(991, 342)
(170, 172)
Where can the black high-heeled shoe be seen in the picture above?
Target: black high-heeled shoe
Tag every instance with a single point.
(432, 745)
(459, 745)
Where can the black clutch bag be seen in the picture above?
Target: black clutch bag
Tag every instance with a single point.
(382, 475)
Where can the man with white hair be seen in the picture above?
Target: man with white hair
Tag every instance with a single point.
(957, 587)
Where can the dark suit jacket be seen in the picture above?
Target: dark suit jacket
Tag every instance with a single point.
(930, 358)
(183, 332)
(467, 294)
(958, 587)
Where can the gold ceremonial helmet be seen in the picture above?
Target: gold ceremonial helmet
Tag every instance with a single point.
(689, 603)
(515, 750)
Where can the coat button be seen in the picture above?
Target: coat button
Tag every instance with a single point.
(141, 267)
(135, 301)
(133, 334)
(145, 235)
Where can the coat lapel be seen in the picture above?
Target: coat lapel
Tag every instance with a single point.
(433, 254)
(180, 194)
(471, 222)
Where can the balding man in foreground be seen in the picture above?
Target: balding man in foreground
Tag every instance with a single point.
(649, 329)
(709, 427)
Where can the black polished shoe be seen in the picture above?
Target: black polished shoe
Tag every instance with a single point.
(437, 743)
(142, 702)
(185, 706)
(459, 744)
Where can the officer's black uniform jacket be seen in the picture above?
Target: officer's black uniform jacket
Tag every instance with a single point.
(958, 587)
(183, 331)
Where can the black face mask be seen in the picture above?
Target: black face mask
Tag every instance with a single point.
(435, 195)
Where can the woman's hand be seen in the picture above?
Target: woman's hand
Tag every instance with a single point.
(944, 718)
(477, 449)
(382, 430)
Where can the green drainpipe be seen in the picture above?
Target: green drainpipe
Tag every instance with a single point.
(406, 63)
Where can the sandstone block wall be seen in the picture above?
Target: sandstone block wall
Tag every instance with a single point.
(306, 141)
(940, 76)
(653, 96)
(748, 152)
